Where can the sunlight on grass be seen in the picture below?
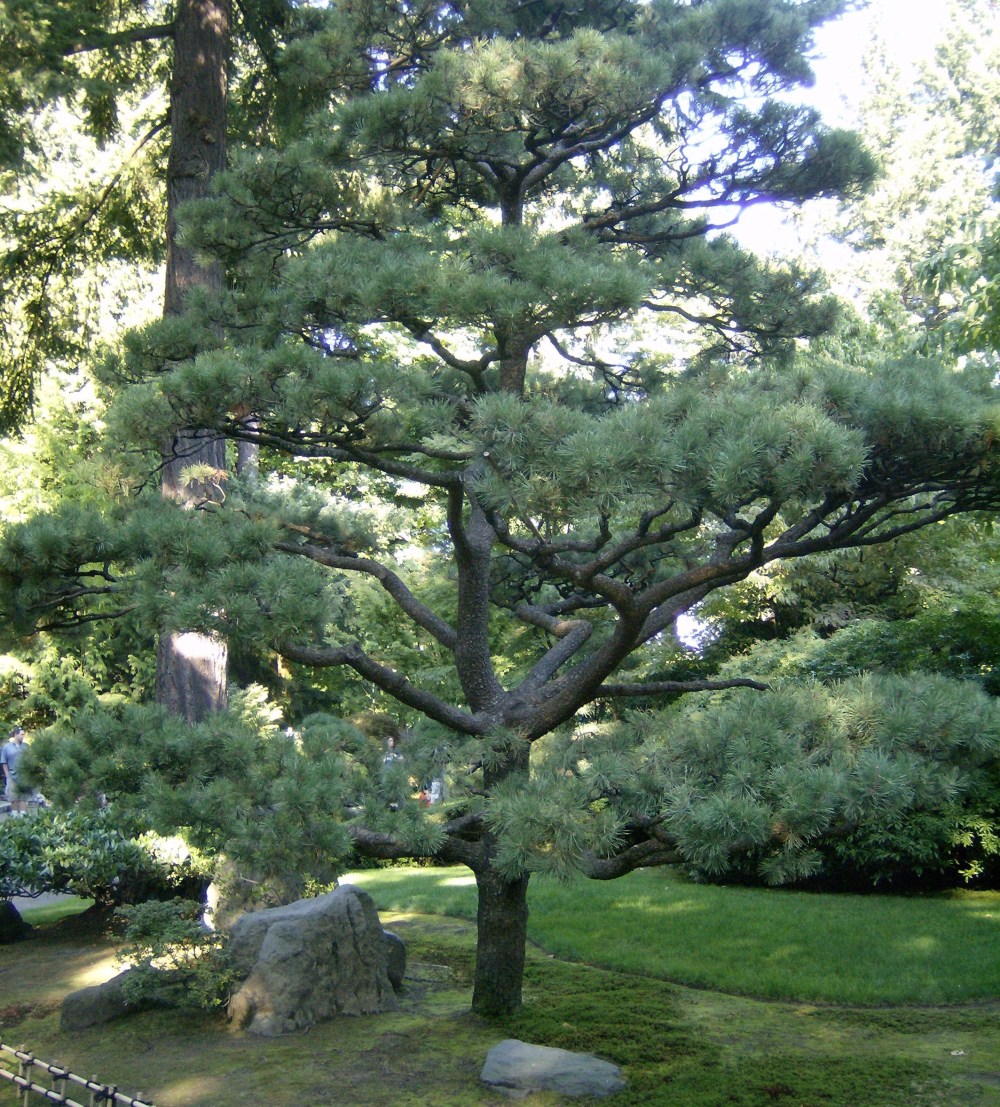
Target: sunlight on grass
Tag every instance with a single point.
(925, 944)
(863, 949)
(96, 973)
(677, 907)
(53, 912)
(193, 1091)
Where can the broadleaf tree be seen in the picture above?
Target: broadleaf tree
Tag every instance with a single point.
(487, 281)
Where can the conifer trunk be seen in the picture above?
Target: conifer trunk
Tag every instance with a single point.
(502, 921)
(191, 668)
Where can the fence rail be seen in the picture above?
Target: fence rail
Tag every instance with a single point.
(59, 1078)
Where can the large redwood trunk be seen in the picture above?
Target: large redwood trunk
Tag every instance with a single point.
(502, 920)
(191, 668)
(191, 674)
(198, 122)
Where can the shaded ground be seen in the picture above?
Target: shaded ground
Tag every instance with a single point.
(678, 1046)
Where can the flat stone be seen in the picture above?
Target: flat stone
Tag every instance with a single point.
(96, 1005)
(518, 1068)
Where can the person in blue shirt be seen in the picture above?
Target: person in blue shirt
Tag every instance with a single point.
(10, 755)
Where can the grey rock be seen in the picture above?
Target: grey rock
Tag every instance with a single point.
(96, 1005)
(12, 927)
(396, 958)
(518, 1068)
(309, 961)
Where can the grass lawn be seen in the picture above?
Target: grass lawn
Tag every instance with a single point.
(769, 943)
(59, 909)
(678, 1046)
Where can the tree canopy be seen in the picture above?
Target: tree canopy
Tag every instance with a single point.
(509, 375)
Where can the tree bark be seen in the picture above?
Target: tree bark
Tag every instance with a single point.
(198, 120)
(502, 922)
(191, 674)
(191, 668)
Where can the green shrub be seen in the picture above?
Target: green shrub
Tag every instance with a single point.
(879, 779)
(91, 854)
(173, 957)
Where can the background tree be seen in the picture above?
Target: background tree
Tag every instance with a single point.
(915, 257)
(442, 288)
(92, 65)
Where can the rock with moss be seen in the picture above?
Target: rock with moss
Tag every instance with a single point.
(395, 957)
(96, 1005)
(310, 961)
(13, 928)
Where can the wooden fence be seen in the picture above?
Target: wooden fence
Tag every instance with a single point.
(59, 1079)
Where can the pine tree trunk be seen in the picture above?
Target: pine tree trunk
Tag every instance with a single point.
(191, 668)
(502, 920)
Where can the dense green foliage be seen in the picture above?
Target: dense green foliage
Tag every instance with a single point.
(878, 778)
(509, 375)
(236, 784)
(89, 854)
(172, 957)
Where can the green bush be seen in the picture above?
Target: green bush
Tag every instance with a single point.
(875, 780)
(172, 957)
(91, 854)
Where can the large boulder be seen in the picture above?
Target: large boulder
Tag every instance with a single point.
(96, 1005)
(517, 1069)
(308, 961)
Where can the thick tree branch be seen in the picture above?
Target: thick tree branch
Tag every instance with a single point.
(129, 37)
(666, 687)
(391, 682)
(642, 855)
(571, 635)
(419, 612)
(455, 849)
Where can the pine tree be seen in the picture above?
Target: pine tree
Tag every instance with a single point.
(485, 283)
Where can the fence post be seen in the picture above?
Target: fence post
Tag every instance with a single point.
(59, 1076)
(24, 1070)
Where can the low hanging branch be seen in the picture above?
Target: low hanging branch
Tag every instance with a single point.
(678, 687)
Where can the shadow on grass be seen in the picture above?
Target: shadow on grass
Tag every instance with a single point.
(678, 1047)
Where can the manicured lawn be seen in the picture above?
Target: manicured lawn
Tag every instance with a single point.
(678, 1047)
(873, 949)
(53, 912)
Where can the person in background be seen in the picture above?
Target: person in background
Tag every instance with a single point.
(10, 755)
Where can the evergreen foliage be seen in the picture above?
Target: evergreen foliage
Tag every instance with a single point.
(172, 958)
(877, 779)
(482, 284)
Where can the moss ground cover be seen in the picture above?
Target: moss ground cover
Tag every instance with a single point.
(678, 1046)
(857, 949)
